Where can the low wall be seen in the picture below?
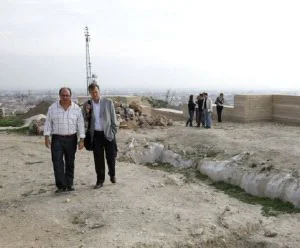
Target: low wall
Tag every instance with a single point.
(248, 108)
(278, 108)
(286, 109)
(170, 114)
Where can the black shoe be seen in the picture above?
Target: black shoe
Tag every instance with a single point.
(70, 188)
(60, 190)
(98, 185)
(113, 179)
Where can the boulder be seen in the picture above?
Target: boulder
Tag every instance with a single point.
(36, 124)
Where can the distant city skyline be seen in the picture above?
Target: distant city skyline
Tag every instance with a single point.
(158, 44)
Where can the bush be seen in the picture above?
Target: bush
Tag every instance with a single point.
(11, 121)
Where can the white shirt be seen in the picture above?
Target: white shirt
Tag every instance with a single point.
(96, 110)
(64, 122)
(209, 106)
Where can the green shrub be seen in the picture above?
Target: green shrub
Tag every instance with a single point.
(11, 121)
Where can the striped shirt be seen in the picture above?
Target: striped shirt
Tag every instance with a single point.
(64, 122)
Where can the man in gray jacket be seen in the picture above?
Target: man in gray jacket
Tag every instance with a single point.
(103, 127)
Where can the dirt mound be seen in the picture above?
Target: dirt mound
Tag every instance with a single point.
(40, 108)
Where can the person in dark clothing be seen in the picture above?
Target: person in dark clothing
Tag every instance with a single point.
(103, 129)
(200, 110)
(219, 102)
(191, 107)
(197, 110)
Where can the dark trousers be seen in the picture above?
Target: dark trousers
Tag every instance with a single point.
(219, 112)
(199, 118)
(197, 115)
(190, 120)
(63, 149)
(101, 145)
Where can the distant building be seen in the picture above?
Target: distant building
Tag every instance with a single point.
(2, 112)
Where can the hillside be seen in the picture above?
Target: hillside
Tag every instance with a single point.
(149, 206)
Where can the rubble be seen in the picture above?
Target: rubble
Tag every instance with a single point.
(131, 116)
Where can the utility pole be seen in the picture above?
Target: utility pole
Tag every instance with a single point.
(88, 60)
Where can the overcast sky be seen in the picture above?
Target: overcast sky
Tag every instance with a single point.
(151, 43)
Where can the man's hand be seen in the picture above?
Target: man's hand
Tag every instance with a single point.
(88, 108)
(81, 144)
(47, 142)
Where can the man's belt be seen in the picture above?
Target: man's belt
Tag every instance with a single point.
(64, 135)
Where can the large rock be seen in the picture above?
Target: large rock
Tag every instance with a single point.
(161, 120)
(149, 153)
(264, 182)
(36, 124)
(136, 107)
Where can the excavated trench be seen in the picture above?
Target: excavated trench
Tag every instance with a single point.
(260, 181)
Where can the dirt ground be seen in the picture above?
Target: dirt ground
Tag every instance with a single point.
(146, 207)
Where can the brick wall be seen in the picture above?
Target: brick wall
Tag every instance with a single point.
(286, 109)
(278, 108)
(249, 108)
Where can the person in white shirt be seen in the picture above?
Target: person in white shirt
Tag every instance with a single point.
(208, 109)
(64, 120)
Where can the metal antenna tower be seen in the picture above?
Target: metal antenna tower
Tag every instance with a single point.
(88, 60)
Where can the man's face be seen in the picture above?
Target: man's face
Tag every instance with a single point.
(65, 96)
(95, 94)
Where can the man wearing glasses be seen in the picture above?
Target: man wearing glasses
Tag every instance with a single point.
(64, 120)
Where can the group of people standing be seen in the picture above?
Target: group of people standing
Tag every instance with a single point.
(66, 120)
(202, 109)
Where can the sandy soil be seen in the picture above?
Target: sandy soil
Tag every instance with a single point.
(146, 208)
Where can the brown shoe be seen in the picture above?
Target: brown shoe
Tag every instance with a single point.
(113, 179)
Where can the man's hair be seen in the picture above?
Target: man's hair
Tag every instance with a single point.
(92, 86)
(65, 88)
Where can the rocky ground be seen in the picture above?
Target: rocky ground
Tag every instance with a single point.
(146, 207)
